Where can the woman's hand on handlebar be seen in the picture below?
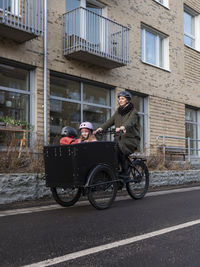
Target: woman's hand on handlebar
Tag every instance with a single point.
(98, 131)
(121, 128)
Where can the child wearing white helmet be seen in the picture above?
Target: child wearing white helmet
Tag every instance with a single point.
(87, 135)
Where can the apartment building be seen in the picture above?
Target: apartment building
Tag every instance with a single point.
(93, 50)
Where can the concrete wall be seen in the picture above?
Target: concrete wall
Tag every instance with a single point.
(21, 187)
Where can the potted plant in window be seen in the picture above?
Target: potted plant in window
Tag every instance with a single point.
(14, 124)
(2, 122)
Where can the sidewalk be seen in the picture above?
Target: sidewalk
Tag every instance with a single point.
(47, 201)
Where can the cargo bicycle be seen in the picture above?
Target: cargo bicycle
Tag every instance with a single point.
(91, 169)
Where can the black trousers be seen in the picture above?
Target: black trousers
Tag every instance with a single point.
(122, 160)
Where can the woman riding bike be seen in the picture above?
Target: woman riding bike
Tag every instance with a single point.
(125, 119)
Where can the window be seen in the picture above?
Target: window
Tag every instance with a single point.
(74, 101)
(72, 4)
(92, 5)
(12, 6)
(191, 117)
(140, 103)
(85, 23)
(14, 94)
(154, 47)
(163, 2)
(191, 28)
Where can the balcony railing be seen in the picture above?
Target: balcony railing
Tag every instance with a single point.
(95, 39)
(21, 20)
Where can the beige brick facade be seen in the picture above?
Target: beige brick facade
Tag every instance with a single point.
(166, 118)
(168, 90)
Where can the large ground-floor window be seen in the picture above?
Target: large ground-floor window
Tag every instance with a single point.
(191, 129)
(141, 105)
(14, 95)
(73, 101)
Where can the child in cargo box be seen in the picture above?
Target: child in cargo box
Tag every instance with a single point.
(68, 135)
(87, 135)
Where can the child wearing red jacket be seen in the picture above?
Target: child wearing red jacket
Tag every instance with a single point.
(68, 135)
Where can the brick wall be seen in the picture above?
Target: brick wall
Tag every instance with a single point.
(166, 118)
(192, 66)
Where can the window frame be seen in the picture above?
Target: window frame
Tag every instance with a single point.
(145, 115)
(164, 3)
(165, 47)
(196, 28)
(31, 93)
(83, 21)
(197, 124)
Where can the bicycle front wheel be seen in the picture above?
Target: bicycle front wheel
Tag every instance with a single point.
(102, 187)
(139, 180)
(66, 196)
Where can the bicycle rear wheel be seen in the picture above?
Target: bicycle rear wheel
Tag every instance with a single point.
(66, 196)
(139, 180)
(102, 187)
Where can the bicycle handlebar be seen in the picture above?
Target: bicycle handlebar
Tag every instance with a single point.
(111, 132)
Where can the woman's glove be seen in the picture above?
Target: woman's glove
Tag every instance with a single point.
(121, 128)
(98, 130)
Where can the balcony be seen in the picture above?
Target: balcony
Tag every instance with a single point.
(21, 20)
(95, 39)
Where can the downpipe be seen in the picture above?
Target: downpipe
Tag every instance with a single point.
(45, 77)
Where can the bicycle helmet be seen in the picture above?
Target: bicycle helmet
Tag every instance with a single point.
(86, 125)
(69, 132)
(125, 94)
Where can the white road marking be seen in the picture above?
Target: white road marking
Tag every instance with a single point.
(85, 203)
(116, 244)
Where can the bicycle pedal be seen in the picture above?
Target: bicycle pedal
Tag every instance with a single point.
(120, 185)
(124, 176)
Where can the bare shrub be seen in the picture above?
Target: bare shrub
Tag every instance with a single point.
(32, 164)
(13, 164)
(158, 162)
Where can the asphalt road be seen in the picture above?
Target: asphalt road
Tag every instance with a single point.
(149, 232)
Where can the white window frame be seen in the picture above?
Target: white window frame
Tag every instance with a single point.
(196, 36)
(165, 47)
(102, 25)
(197, 124)
(164, 3)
